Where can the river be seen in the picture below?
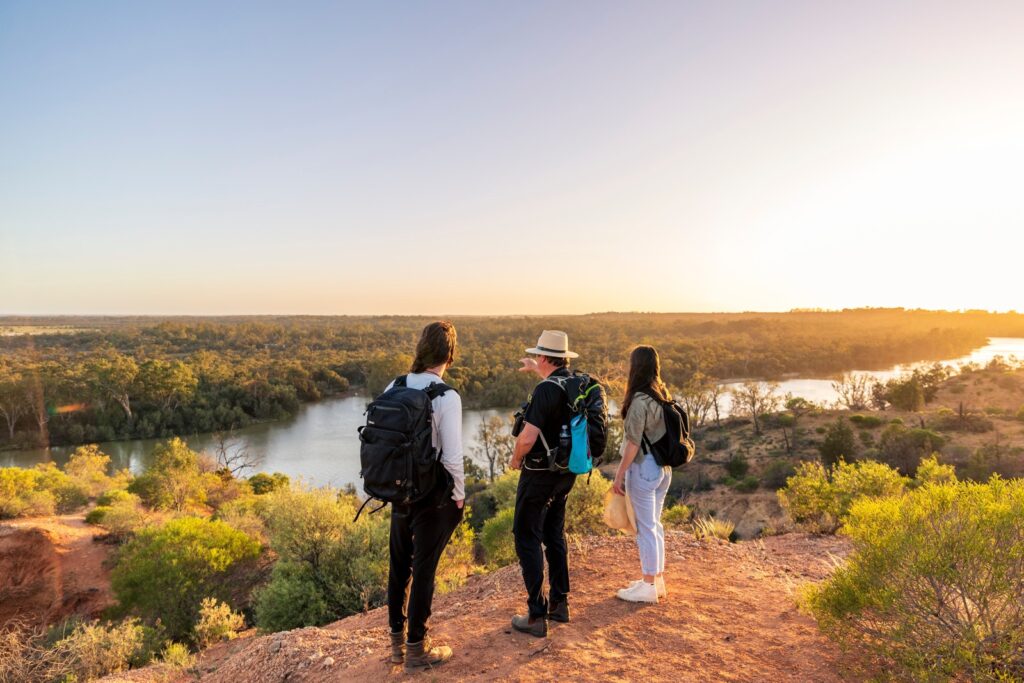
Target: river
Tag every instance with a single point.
(320, 444)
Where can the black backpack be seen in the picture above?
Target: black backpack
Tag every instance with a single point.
(398, 461)
(586, 397)
(676, 447)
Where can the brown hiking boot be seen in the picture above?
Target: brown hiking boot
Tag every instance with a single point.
(398, 647)
(423, 655)
(535, 627)
(559, 612)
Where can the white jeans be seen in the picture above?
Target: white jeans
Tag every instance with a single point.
(647, 485)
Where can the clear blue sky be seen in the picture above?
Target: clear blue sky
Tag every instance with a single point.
(481, 157)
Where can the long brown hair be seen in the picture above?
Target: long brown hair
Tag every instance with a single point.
(644, 375)
(435, 347)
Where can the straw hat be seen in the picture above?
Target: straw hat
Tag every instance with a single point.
(618, 512)
(553, 343)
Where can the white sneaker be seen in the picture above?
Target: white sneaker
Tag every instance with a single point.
(639, 592)
(659, 585)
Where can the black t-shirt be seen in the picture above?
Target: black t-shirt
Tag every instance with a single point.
(548, 411)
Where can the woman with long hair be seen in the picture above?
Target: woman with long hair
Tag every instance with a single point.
(639, 473)
(421, 530)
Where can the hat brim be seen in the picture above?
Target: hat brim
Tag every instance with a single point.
(554, 354)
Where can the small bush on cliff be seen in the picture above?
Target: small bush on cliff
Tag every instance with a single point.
(217, 622)
(934, 582)
(497, 541)
(165, 571)
(328, 566)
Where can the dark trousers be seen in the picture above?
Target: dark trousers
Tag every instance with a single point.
(540, 519)
(419, 534)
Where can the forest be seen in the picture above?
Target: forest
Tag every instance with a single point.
(75, 380)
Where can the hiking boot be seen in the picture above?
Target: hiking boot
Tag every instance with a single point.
(535, 627)
(423, 655)
(659, 585)
(639, 592)
(559, 612)
(398, 647)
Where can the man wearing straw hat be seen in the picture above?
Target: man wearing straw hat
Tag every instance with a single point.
(543, 487)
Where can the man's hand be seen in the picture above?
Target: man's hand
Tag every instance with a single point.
(619, 485)
(460, 503)
(515, 464)
(529, 364)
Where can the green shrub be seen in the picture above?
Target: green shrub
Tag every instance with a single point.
(776, 473)
(262, 483)
(867, 421)
(497, 541)
(737, 466)
(328, 566)
(934, 582)
(820, 502)
(174, 481)
(457, 560)
(217, 623)
(503, 490)
(96, 515)
(584, 511)
(747, 484)
(42, 490)
(676, 516)
(88, 470)
(904, 448)
(115, 495)
(839, 443)
(165, 571)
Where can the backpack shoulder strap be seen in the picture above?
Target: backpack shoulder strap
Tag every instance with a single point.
(400, 381)
(436, 389)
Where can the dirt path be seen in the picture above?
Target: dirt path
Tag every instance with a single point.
(730, 616)
(50, 568)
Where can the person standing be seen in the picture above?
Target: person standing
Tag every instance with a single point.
(421, 530)
(639, 473)
(544, 486)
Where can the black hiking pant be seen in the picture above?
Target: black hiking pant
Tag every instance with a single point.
(540, 519)
(419, 534)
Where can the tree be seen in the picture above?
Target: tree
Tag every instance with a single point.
(88, 467)
(906, 394)
(166, 383)
(165, 572)
(853, 390)
(12, 398)
(232, 453)
(697, 397)
(174, 481)
(495, 443)
(755, 400)
(114, 376)
(798, 407)
(839, 443)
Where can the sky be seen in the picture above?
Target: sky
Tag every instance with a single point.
(517, 157)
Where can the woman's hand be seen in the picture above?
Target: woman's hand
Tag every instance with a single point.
(619, 485)
(460, 503)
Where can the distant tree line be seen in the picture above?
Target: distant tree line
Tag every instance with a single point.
(151, 377)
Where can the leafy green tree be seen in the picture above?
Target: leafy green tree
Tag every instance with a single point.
(89, 468)
(114, 376)
(839, 443)
(174, 481)
(166, 383)
(165, 572)
(904, 448)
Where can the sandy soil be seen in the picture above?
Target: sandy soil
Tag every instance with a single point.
(51, 568)
(730, 616)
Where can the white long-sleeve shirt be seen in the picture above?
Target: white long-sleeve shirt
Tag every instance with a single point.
(447, 428)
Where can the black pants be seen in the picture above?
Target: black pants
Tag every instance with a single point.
(419, 534)
(540, 519)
